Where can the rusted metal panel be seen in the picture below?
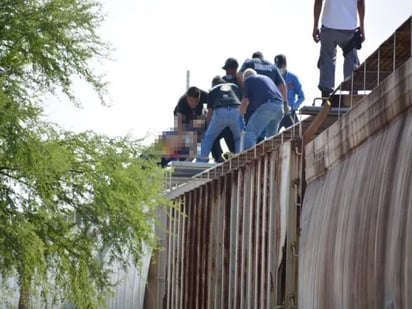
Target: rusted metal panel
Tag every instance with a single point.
(292, 192)
(227, 250)
(355, 248)
(234, 248)
(237, 246)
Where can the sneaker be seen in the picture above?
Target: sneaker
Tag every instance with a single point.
(326, 95)
(227, 155)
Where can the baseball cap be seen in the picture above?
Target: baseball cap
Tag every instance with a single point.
(231, 63)
(280, 60)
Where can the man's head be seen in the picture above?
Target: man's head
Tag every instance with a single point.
(217, 80)
(280, 61)
(231, 64)
(248, 73)
(193, 97)
(257, 54)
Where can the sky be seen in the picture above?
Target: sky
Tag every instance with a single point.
(157, 42)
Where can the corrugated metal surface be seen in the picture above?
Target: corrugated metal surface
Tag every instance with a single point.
(356, 241)
(226, 252)
(130, 291)
(238, 245)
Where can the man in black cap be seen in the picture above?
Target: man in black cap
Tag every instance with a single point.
(294, 90)
(224, 104)
(231, 66)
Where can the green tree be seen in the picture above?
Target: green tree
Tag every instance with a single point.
(71, 204)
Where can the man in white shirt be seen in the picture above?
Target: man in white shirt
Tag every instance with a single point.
(339, 24)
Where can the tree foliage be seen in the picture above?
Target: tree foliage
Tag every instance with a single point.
(44, 43)
(71, 204)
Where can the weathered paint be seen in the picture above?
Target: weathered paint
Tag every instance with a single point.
(240, 235)
(357, 213)
(226, 246)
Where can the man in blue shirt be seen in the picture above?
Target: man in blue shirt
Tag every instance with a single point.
(262, 67)
(264, 99)
(294, 90)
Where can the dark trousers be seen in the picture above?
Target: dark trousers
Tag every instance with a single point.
(288, 120)
(217, 151)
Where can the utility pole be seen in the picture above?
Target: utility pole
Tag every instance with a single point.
(187, 79)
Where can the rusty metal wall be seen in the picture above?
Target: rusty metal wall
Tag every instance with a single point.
(227, 244)
(356, 240)
(226, 251)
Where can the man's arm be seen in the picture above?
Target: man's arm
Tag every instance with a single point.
(361, 12)
(239, 78)
(179, 122)
(317, 8)
(243, 106)
(299, 101)
(209, 116)
(284, 92)
(299, 93)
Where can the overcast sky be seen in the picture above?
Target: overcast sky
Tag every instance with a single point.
(157, 41)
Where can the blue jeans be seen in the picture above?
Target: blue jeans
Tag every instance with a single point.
(267, 116)
(222, 117)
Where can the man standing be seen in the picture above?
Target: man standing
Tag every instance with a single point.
(261, 95)
(262, 67)
(230, 68)
(294, 89)
(339, 21)
(224, 100)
